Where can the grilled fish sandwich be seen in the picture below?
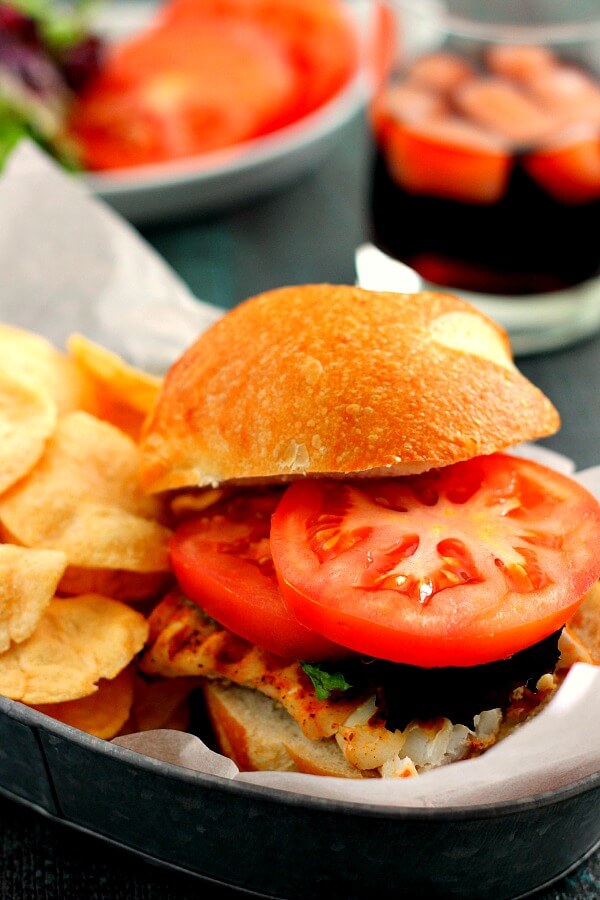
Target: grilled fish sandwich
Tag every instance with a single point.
(369, 584)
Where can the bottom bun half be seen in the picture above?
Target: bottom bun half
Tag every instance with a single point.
(259, 735)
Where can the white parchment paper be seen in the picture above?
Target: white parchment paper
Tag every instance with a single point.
(67, 264)
(70, 264)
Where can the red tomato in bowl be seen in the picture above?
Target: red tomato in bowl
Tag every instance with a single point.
(459, 566)
(222, 561)
(184, 90)
(317, 36)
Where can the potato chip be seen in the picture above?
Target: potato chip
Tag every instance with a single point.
(125, 418)
(92, 536)
(180, 718)
(158, 703)
(102, 714)
(27, 419)
(33, 360)
(125, 394)
(28, 580)
(83, 498)
(90, 460)
(115, 583)
(76, 643)
(127, 385)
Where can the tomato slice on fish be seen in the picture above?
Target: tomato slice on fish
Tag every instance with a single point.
(459, 566)
(222, 560)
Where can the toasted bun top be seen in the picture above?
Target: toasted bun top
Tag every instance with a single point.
(332, 380)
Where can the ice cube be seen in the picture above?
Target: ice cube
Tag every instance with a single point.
(519, 61)
(504, 109)
(441, 72)
(454, 131)
(567, 93)
(410, 103)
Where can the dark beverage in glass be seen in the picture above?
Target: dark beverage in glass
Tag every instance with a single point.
(487, 171)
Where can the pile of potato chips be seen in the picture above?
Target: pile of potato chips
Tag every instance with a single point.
(81, 545)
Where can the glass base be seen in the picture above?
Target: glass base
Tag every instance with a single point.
(536, 323)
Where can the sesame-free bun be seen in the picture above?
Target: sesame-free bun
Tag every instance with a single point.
(259, 735)
(330, 381)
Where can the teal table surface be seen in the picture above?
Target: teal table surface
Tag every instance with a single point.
(306, 233)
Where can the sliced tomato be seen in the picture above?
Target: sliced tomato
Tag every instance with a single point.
(182, 90)
(222, 561)
(456, 567)
(316, 35)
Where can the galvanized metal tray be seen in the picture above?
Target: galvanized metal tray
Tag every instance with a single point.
(287, 845)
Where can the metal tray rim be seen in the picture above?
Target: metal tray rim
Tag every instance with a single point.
(182, 870)
(31, 717)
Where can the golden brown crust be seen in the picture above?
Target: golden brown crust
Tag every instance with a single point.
(258, 735)
(230, 734)
(333, 380)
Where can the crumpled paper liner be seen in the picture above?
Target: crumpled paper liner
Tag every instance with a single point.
(559, 747)
(70, 264)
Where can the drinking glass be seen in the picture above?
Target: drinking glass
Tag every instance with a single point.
(486, 178)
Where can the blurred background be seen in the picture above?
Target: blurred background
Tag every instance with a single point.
(457, 137)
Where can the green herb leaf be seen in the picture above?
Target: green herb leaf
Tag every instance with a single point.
(324, 682)
(61, 24)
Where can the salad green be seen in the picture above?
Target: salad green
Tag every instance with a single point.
(47, 57)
